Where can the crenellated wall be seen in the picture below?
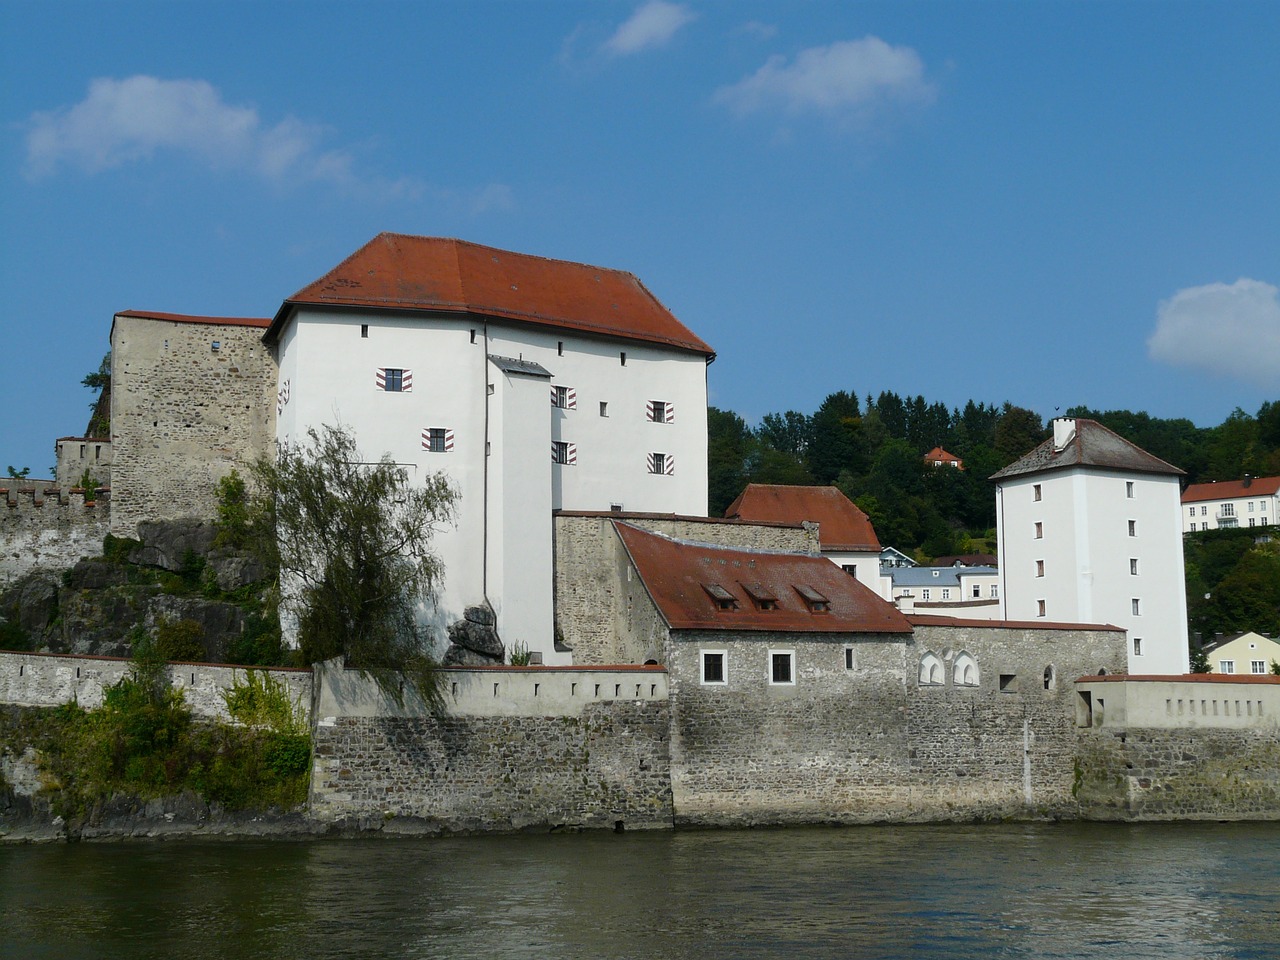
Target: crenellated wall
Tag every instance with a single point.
(49, 528)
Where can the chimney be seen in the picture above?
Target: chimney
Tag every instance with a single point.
(1248, 481)
(1064, 431)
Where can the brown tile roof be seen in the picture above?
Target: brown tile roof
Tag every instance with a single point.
(940, 620)
(1231, 489)
(1092, 445)
(186, 318)
(394, 271)
(682, 578)
(841, 525)
(937, 453)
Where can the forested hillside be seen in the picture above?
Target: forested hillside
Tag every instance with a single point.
(873, 449)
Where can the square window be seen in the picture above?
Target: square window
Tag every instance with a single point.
(850, 568)
(563, 452)
(437, 439)
(713, 668)
(661, 464)
(1006, 682)
(394, 379)
(660, 411)
(782, 667)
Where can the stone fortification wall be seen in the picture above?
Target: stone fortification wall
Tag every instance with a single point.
(542, 749)
(184, 414)
(859, 738)
(49, 680)
(595, 589)
(78, 454)
(46, 528)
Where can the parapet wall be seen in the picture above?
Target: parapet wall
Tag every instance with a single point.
(50, 680)
(518, 748)
(49, 528)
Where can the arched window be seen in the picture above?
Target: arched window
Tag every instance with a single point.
(1050, 677)
(964, 672)
(931, 673)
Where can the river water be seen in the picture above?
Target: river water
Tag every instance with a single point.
(1168, 891)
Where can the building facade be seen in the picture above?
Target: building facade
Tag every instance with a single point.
(1230, 504)
(534, 385)
(1088, 532)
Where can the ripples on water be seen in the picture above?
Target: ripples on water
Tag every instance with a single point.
(1172, 891)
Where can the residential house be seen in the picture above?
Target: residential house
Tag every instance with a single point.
(1243, 653)
(940, 458)
(1088, 533)
(971, 593)
(1230, 504)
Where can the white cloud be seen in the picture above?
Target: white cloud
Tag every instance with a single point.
(651, 25)
(1228, 329)
(130, 120)
(850, 78)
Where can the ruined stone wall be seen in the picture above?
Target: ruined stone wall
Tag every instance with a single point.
(78, 454)
(50, 680)
(184, 414)
(858, 738)
(45, 528)
(545, 748)
(597, 596)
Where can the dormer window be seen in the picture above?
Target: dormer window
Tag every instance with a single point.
(815, 601)
(761, 596)
(723, 599)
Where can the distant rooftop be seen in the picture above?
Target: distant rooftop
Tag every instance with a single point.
(841, 524)
(1231, 489)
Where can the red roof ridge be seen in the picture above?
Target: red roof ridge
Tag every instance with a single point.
(194, 318)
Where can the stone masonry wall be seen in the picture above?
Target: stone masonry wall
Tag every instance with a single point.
(858, 738)
(1179, 774)
(49, 680)
(184, 415)
(48, 529)
(593, 613)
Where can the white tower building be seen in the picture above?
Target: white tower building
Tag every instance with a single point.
(1090, 532)
(534, 384)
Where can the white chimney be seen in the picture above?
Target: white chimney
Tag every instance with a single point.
(1064, 431)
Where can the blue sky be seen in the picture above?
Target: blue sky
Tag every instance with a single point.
(1046, 203)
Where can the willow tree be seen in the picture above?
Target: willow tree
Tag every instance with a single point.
(352, 543)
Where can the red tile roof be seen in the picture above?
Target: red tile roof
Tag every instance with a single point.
(681, 577)
(938, 454)
(1231, 489)
(186, 318)
(395, 271)
(841, 525)
(940, 620)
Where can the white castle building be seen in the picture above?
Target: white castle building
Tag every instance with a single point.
(1089, 532)
(533, 384)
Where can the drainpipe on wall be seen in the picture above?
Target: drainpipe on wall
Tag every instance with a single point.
(484, 507)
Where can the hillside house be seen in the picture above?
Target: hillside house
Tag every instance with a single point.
(1230, 504)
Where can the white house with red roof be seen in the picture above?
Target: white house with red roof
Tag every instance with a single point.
(847, 537)
(533, 384)
(1227, 504)
(1088, 533)
(940, 458)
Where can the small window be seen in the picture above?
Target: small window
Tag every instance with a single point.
(761, 596)
(1135, 607)
(995, 591)
(1204, 510)
(1137, 646)
(622, 357)
(660, 411)
(364, 333)
(713, 668)
(394, 380)
(1133, 528)
(723, 599)
(1040, 611)
(1039, 530)
(662, 464)
(437, 439)
(564, 453)
(615, 508)
(1006, 682)
(924, 593)
(946, 593)
(782, 665)
(1039, 568)
(815, 601)
(977, 591)
(848, 658)
(1128, 489)
(1226, 666)
(1257, 666)
(215, 346)
(559, 348)
(564, 398)
(604, 408)
(1050, 677)
(1035, 492)
(850, 568)
(1133, 566)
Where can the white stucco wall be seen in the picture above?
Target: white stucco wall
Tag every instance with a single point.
(1086, 549)
(868, 569)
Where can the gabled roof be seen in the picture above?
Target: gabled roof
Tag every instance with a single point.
(938, 454)
(1231, 489)
(684, 580)
(936, 576)
(1089, 445)
(394, 271)
(841, 525)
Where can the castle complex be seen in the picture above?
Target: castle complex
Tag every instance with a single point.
(717, 671)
